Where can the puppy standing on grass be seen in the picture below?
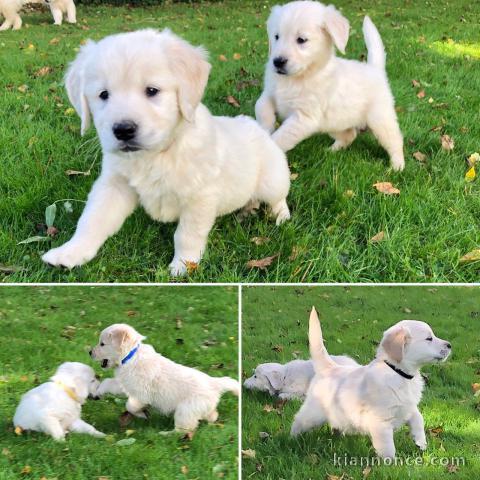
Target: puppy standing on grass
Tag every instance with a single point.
(61, 7)
(377, 398)
(10, 10)
(55, 407)
(162, 148)
(149, 379)
(314, 91)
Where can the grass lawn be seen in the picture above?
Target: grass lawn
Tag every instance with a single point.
(428, 227)
(43, 327)
(275, 326)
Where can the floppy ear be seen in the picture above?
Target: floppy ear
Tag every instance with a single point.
(80, 388)
(75, 85)
(190, 67)
(394, 343)
(271, 22)
(275, 378)
(337, 27)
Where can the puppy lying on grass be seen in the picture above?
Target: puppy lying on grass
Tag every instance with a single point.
(149, 379)
(162, 148)
(375, 399)
(289, 381)
(55, 407)
(314, 91)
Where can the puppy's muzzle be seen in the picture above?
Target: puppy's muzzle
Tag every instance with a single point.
(280, 64)
(126, 132)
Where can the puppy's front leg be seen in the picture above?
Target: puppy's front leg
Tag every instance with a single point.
(265, 113)
(191, 236)
(417, 430)
(136, 408)
(109, 203)
(382, 440)
(17, 22)
(6, 24)
(71, 13)
(293, 130)
(57, 15)
(110, 385)
(79, 426)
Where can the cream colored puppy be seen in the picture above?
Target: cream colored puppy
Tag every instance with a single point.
(375, 399)
(10, 10)
(162, 148)
(314, 91)
(149, 379)
(59, 8)
(55, 407)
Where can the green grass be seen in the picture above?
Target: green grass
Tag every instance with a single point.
(275, 325)
(45, 326)
(428, 227)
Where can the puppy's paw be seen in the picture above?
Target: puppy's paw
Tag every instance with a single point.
(421, 444)
(397, 163)
(337, 145)
(68, 255)
(281, 212)
(98, 434)
(178, 268)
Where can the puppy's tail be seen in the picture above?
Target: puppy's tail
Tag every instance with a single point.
(227, 384)
(318, 352)
(376, 50)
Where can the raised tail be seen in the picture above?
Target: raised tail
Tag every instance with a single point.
(227, 384)
(376, 50)
(320, 357)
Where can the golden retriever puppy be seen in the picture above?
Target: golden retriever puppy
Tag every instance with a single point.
(55, 407)
(150, 379)
(314, 91)
(375, 399)
(59, 8)
(10, 10)
(162, 148)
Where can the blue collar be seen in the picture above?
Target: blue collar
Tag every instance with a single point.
(130, 355)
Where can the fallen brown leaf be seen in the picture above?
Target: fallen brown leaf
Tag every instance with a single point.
(447, 142)
(421, 94)
(263, 263)
(378, 237)
(469, 257)
(54, 41)
(191, 266)
(415, 83)
(41, 72)
(366, 472)
(475, 387)
(76, 172)
(237, 56)
(248, 453)
(222, 58)
(421, 157)
(436, 431)
(184, 469)
(233, 101)
(260, 240)
(386, 188)
(26, 470)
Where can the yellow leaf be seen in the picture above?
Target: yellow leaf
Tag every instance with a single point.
(69, 111)
(470, 175)
(387, 188)
(378, 237)
(18, 430)
(26, 470)
(473, 256)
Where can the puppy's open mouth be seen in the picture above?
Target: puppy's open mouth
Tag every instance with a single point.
(104, 363)
(281, 71)
(130, 148)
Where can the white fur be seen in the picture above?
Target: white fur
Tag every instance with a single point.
(10, 10)
(372, 399)
(48, 408)
(191, 167)
(59, 8)
(149, 379)
(288, 381)
(320, 92)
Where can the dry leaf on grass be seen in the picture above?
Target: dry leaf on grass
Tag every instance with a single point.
(248, 453)
(475, 387)
(41, 72)
(378, 237)
(76, 172)
(191, 267)
(222, 58)
(447, 142)
(421, 157)
(366, 472)
(415, 83)
(54, 41)
(263, 263)
(473, 159)
(260, 240)
(293, 176)
(435, 431)
(386, 188)
(233, 101)
(237, 56)
(470, 175)
(18, 430)
(184, 469)
(473, 256)
(26, 470)
(421, 94)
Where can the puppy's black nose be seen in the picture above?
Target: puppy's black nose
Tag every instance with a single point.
(448, 346)
(125, 130)
(280, 62)
(90, 352)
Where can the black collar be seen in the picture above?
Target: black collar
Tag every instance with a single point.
(400, 372)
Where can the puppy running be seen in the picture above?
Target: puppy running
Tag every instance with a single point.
(59, 8)
(55, 407)
(314, 91)
(289, 381)
(375, 399)
(162, 148)
(149, 379)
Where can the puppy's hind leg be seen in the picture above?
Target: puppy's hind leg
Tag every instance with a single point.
(417, 430)
(136, 408)
(186, 418)
(71, 12)
(6, 24)
(212, 417)
(384, 125)
(309, 416)
(53, 428)
(274, 182)
(343, 139)
(382, 440)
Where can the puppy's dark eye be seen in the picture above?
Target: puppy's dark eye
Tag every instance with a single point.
(254, 376)
(104, 95)
(102, 344)
(276, 37)
(429, 339)
(301, 40)
(151, 91)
